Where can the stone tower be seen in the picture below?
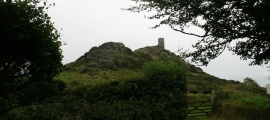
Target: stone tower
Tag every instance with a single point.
(161, 43)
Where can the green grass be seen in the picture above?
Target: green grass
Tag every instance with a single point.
(235, 97)
(112, 94)
(85, 93)
(243, 102)
(75, 79)
(103, 101)
(254, 102)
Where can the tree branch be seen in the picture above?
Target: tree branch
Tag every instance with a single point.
(205, 35)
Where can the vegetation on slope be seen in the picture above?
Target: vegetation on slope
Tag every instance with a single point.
(243, 101)
(152, 96)
(150, 83)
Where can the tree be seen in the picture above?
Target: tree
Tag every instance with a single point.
(250, 82)
(242, 26)
(30, 54)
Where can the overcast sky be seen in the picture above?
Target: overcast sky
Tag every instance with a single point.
(89, 23)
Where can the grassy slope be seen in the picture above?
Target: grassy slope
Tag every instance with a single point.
(197, 82)
(75, 102)
(121, 94)
(72, 104)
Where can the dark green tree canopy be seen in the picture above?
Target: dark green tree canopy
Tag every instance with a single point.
(242, 26)
(30, 54)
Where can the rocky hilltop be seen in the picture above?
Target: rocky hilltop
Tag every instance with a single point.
(110, 55)
(114, 55)
(112, 60)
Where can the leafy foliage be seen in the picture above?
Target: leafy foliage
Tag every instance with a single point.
(150, 91)
(241, 26)
(251, 82)
(29, 54)
(165, 70)
(135, 97)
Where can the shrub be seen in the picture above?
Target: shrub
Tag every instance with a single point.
(170, 77)
(30, 54)
(157, 96)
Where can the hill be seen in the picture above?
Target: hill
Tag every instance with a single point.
(108, 82)
(111, 56)
(111, 59)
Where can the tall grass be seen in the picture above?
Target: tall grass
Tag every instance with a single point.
(243, 102)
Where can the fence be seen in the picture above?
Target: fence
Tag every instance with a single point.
(202, 108)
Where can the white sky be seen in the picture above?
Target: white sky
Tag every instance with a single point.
(89, 23)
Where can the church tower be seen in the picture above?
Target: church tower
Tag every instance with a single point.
(161, 43)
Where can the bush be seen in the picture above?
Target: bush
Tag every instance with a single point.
(30, 54)
(168, 71)
(171, 77)
(161, 97)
